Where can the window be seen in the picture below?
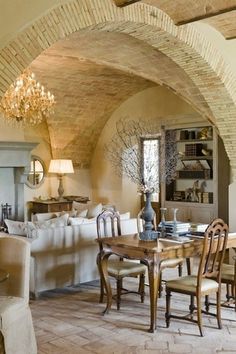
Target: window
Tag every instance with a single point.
(151, 162)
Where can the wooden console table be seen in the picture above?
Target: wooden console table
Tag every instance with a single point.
(51, 206)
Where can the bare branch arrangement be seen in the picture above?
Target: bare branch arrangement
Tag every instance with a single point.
(124, 151)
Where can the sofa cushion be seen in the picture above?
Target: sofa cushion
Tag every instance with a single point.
(80, 220)
(60, 221)
(94, 210)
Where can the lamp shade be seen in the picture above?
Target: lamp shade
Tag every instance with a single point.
(61, 166)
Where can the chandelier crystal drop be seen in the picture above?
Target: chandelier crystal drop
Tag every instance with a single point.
(26, 101)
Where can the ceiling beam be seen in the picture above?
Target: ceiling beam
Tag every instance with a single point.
(122, 3)
(231, 37)
(204, 16)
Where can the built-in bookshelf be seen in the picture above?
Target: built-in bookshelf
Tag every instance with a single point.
(200, 188)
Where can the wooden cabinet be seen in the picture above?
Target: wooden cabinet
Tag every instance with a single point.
(200, 189)
(191, 212)
(51, 206)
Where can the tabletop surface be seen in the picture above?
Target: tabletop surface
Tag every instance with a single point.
(133, 241)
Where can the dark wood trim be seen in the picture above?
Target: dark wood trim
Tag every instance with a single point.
(230, 37)
(202, 17)
(123, 3)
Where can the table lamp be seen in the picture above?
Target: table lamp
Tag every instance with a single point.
(61, 167)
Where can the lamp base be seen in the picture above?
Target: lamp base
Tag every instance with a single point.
(60, 188)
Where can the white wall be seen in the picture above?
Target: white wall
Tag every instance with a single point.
(150, 104)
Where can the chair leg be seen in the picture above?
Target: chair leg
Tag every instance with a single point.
(207, 305)
(160, 285)
(199, 315)
(101, 291)
(218, 309)
(188, 264)
(141, 288)
(118, 290)
(234, 295)
(191, 306)
(227, 292)
(180, 269)
(167, 314)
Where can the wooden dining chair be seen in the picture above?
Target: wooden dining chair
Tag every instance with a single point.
(202, 284)
(108, 225)
(228, 277)
(167, 263)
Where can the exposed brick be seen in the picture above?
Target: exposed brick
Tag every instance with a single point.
(195, 70)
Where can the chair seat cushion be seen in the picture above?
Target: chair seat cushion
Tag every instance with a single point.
(227, 272)
(124, 268)
(189, 284)
(171, 263)
(11, 308)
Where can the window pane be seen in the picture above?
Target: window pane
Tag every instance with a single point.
(151, 152)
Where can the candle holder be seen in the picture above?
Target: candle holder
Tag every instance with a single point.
(163, 222)
(175, 221)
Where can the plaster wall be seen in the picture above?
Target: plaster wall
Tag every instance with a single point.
(16, 14)
(150, 104)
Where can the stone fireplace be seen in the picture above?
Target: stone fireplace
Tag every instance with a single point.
(14, 167)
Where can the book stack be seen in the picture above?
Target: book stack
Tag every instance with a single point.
(198, 229)
(179, 228)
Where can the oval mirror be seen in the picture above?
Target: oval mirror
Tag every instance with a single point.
(37, 172)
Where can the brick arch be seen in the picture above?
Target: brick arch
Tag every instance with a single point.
(184, 45)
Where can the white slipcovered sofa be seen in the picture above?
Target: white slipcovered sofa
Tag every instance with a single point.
(65, 256)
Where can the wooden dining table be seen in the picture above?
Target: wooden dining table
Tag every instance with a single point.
(151, 253)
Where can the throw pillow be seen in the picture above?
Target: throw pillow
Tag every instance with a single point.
(41, 217)
(94, 211)
(16, 227)
(71, 213)
(83, 213)
(79, 206)
(55, 222)
(125, 216)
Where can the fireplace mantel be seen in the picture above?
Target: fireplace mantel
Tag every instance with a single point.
(17, 155)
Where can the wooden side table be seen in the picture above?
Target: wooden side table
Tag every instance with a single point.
(51, 206)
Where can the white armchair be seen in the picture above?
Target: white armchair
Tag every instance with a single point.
(16, 327)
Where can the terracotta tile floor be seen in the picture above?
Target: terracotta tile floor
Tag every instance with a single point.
(69, 321)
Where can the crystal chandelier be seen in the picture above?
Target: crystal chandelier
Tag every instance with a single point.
(26, 101)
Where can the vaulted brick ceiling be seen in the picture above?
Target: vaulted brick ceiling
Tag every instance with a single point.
(90, 81)
(91, 72)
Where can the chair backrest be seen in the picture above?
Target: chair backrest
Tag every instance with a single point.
(140, 221)
(215, 241)
(15, 260)
(108, 224)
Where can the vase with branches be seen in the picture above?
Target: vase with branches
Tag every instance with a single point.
(126, 154)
